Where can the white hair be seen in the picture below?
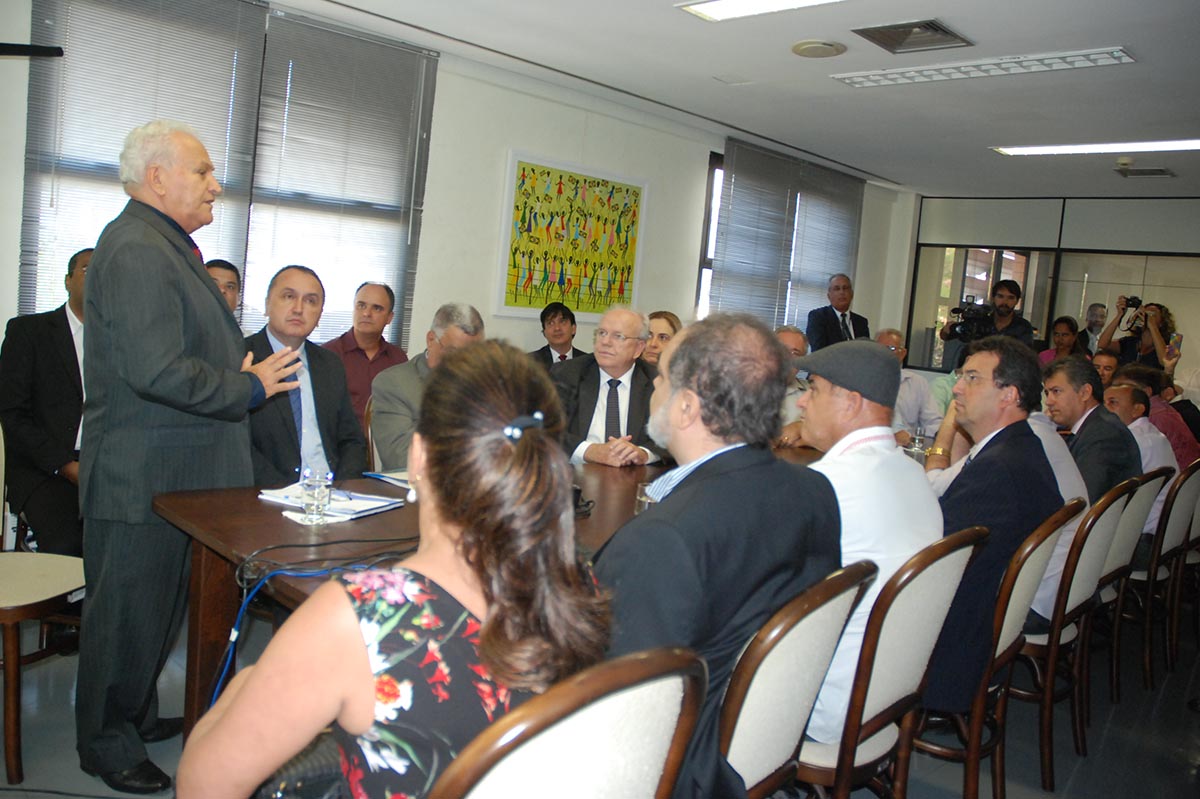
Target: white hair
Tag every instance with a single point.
(643, 320)
(149, 145)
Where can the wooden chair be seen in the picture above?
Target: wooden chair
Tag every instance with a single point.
(1158, 583)
(901, 631)
(32, 586)
(990, 704)
(367, 414)
(618, 729)
(775, 682)
(1115, 577)
(1069, 635)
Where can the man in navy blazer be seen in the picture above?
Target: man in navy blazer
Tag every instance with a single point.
(41, 404)
(735, 533)
(286, 436)
(1102, 446)
(835, 322)
(169, 387)
(613, 376)
(1006, 484)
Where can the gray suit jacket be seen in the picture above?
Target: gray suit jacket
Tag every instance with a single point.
(274, 443)
(396, 392)
(1105, 452)
(166, 400)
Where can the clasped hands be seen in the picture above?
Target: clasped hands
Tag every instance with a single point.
(616, 452)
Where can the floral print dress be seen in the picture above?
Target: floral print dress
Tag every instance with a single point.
(432, 695)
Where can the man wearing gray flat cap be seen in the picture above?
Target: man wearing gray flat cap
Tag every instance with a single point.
(848, 415)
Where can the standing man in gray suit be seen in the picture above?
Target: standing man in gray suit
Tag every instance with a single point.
(168, 388)
(397, 389)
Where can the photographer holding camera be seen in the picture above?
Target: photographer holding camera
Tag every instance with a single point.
(1152, 339)
(1000, 320)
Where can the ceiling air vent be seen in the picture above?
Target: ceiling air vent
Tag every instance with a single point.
(1144, 172)
(912, 37)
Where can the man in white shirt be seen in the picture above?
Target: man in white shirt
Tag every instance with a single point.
(1132, 406)
(606, 395)
(847, 413)
(916, 409)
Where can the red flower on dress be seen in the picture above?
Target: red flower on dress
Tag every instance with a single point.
(427, 620)
(432, 655)
(487, 699)
(472, 628)
(354, 775)
(481, 670)
(440, 693)
(387, 690)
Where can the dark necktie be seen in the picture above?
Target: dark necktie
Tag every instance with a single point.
(297, 412)
(845, 328)
(612, 417)
(562, 357)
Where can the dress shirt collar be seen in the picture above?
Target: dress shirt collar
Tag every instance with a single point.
(350, 344)
(277, 345)
(660, 488)
(190, 242)
(1079, 422)
(979, 445)
(625, 379)
(74, 321)
(866, 438)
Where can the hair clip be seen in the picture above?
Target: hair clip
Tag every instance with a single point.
(517, 426)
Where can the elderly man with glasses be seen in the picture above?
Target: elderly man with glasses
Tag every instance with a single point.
(606, 395)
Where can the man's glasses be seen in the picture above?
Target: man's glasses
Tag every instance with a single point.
(620, 338)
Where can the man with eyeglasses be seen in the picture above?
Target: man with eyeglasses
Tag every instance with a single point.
(41, 404)
(606, 395)
(397, 389)
(1005, 483)
(915, 408)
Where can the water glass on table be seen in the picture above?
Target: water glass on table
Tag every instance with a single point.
(642, 500)
(314, 496)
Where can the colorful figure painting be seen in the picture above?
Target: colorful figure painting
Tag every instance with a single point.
(573, 239)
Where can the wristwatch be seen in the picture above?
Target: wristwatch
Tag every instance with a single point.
(937, 451)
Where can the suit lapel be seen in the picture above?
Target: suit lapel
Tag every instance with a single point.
(640, 385)
(280, 405)
(589, 389)
(64, 345)
(326, 403)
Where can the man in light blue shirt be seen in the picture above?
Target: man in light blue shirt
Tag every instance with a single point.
(312, 427)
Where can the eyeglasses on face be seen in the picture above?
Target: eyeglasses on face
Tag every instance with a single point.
(620, 338)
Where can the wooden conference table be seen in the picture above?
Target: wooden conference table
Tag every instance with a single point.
(229, 524)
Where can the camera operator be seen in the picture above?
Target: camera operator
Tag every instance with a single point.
(1005, 321)
(1151, 336)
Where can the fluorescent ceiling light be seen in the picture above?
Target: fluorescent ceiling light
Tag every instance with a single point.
(988, 67)
(721, 10)
(1110, 147)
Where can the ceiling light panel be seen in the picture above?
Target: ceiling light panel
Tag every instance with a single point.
(721, 10)
(1175, 145)
(988, 68)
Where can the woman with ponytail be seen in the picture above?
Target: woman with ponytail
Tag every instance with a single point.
(409, 664)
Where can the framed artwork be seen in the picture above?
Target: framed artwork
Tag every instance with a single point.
(569, 235)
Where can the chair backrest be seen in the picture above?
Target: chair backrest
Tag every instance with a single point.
(7, 538)
(1133, 521)
(1022, 578)
(900, 635)
(775, 682)
(618, 729)
(1176, 520)
(367, 414)
(1093, 540)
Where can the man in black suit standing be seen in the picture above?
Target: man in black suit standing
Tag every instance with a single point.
(169, 387)
(606, 395)
(41, 404)
(312, 427)
(558, 326)
(1004, 483)
(1102, 446)
(735, 533)
(835, 322)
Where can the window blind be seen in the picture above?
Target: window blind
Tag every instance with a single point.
(128, 62)
(784, 228)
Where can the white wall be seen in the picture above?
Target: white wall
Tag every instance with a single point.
(14, 89)
(883, 278)
(479, 114)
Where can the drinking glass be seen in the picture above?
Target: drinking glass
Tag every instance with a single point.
(314, 496)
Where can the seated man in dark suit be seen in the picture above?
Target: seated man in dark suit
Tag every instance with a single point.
(1005, 483)
(1103, 448)
(735, 533)
(606, 395)
(311, 427)
(558, 326)
(835, 322)
(41, 404)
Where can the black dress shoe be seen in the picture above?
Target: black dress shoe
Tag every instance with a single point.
(145, 777)
(163, 729)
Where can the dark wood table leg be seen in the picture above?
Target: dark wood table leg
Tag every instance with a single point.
(211, 613)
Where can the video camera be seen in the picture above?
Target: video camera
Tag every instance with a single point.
(974, 322)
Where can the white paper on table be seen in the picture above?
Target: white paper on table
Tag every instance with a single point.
(347, 504)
